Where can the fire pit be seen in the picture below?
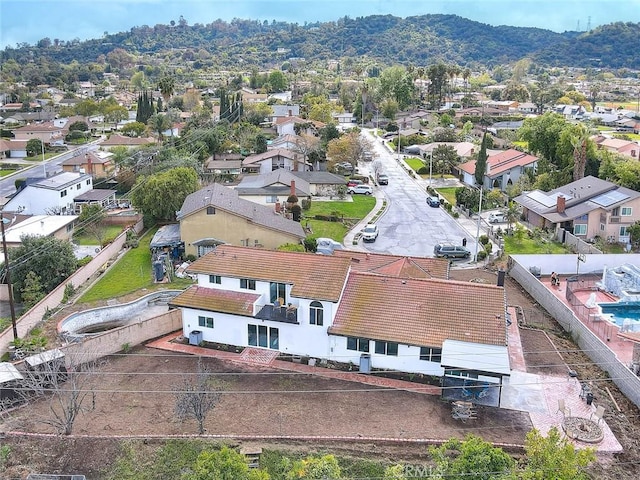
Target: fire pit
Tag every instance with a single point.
(582, 429)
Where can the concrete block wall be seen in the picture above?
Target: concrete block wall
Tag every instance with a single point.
(596, 349)
(33, 317)
(113, 341)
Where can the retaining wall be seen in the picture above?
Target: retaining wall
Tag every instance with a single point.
(596, 349)
(32, 317)
(113, 341)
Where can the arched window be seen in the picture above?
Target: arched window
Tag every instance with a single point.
(315, 313)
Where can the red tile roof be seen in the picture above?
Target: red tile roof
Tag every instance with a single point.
(216, 300)
(318, 277)
(501, 162)
(420, 312)
(395, 265)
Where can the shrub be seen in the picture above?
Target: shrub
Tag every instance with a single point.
(482, 255)
(190, 258)
(69, 290)
(484, 239)
(310, 245)
(84, 261)
(306, 203)
(488, 248)
(292, 199)
(423, 170)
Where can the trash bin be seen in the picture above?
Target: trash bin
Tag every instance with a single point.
(365, 363)
(464, 242)
(589, 398)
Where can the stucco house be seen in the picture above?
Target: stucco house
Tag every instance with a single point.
(287, 125)
(57, 226)
(504, 167)
(273, 159)
(97, 163)
(367, 310)
(272, 188)
(626, 148)
(51, 195)
(13, 148)
(216, 214)
(588, 207)
(116, 140)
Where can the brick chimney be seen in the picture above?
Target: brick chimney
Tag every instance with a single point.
(293, 187)
(561, 203)
(89, 166)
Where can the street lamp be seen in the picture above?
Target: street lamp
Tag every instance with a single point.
(430, 164)
(475, 257)
(9, 286)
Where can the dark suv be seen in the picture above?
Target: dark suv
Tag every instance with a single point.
(447, 250)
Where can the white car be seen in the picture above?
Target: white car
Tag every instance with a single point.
(361, 189)
(497, 217)
(370, 233)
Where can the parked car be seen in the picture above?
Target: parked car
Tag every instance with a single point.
(361, 189)
(448, 250)
(382, 178)
(370, 233)
(497, 217)
(433, 201)
(354, 182)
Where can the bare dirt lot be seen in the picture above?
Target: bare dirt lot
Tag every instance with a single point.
(136, 397)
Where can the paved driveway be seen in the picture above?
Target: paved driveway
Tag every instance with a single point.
(410, 226)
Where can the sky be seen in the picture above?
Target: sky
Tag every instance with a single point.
(27, 21)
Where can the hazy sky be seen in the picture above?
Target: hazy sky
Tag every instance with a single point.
(31, 20)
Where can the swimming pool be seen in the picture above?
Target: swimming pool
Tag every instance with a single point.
(624, 314)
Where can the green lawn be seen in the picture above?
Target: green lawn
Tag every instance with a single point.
(361, 205)
(132, 272)
(112, 231)
(414, 163)
(4, 173)
(514, 246)
(356, 210)
(449, 193)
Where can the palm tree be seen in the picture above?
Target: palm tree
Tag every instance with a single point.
(167, 86)
(512, 213)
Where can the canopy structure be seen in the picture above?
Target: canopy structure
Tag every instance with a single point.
(473, 371)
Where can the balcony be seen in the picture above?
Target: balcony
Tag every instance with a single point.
(614, 220)
(278, 314)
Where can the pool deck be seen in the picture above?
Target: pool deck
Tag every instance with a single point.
(605, 330)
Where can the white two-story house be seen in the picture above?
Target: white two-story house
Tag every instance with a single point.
(397, 313)
(50, 196)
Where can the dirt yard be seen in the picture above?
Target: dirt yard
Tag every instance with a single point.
(135, 397)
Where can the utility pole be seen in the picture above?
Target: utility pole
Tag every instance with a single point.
(8, 277)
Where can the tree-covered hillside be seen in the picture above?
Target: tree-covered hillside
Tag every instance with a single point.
(385, 39)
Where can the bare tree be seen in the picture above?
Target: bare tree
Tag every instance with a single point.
(70, 383)
(196, 397)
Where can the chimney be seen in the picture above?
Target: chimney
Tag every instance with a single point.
(561, 203)
(89, 166)
(293, 187)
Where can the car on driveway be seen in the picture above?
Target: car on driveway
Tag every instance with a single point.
(497, 217)
(448, 250)
(353, 183)
(360, 189)
(370, 233)
(433, 201)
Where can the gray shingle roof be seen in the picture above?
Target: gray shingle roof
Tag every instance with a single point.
(226, 199)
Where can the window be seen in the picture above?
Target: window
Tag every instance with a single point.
(276, 291)
(69, 227)
(359, 344)
(211, 210)
(247, 284)
(316, 314)
(271, 199)
(615, 212)
(63, 193)
(78, 186)
(217, 279)
(431, 354)
(580, 229)
(602, 227)
(89, 182)
(626, 212)
(205, 322)
(624, 231)
(261, 336)
(204, 249)
(387, 348)
(460, 373)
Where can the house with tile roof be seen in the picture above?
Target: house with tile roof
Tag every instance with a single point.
(504, 168)
(97, 163)
(273, 187)
(626, 148)
(375, 311)
(588, 208)
(273, 159)
(216, 215)
(116, 140)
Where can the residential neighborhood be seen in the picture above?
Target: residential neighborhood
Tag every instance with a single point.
(345, 261)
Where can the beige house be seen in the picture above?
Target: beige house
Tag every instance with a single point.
(97, 163)
(216, 215)
(588, 208)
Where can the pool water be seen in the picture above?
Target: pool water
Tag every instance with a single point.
(624, 314)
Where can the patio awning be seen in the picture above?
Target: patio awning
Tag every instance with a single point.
(475, 357)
